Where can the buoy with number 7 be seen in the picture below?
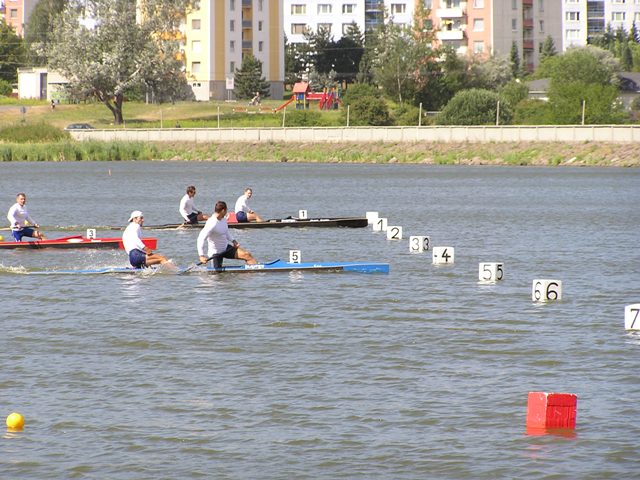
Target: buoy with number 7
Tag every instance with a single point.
(632, 317)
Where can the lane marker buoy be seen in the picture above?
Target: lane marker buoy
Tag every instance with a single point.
(15, 422)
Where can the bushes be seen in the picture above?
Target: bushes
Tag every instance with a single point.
(32, 133)
(5, 88)
(368, 111)
(474, 107)
(306, 118)
(71, 151)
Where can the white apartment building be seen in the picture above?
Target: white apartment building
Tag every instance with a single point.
(335, 16)
(219, 33)
(470, 26)
(586, 18)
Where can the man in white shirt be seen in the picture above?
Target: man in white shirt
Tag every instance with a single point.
(139, 254)
(188, 209)
(243, 212)
(18, 216)
(215, 234)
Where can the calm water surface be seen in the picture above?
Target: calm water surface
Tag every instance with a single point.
(422, 373)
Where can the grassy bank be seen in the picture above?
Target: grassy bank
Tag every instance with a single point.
(546, 154)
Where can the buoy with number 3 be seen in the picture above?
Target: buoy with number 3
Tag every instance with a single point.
(15, 422)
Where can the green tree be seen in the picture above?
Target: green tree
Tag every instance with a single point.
(12, 53)
(443, 79)
(532, 112)
(548, 49)
(293, 65)
(249, 79)
(474, 107)
(347, 53)
(489, 73)
(5, 88)
(626, 62)
(39, 29)
(367, 110)
(514, 92)
(514, 56)
(105, 54)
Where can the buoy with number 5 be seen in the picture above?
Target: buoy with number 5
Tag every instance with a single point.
(15, 422)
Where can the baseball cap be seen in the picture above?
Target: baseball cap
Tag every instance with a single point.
(134, 214)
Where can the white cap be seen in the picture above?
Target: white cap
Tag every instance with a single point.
(135, 214)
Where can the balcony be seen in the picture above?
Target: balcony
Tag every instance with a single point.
(444, 35)
(527, 45)
(247, 45)
(527, 3)
(450, 12)
(527, 23)
(247, 24)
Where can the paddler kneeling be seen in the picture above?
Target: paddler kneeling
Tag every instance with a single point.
(139, 254)
(221, 244)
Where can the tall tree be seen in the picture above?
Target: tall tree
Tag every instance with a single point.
(514, 56)
(12, 52)
(548, 48)
(626, 60)
(39, 29)
(104, 52)
(249, 80)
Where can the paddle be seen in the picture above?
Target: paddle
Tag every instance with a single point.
(188, 269)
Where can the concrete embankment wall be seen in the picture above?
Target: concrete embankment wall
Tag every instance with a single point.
(564, 133)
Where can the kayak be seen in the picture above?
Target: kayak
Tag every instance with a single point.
(76, 241)
(274, 266)
(346, 222)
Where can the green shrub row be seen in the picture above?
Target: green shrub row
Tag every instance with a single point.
(31, 133)
(81, 151)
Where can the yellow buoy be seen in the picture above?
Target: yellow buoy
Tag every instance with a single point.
(15, 422)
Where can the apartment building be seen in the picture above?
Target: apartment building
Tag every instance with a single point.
(588, 18)
(470, 26)
(219, 33)
(16, 13)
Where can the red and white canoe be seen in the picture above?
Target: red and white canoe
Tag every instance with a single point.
(77, 241)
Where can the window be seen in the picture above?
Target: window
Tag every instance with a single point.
(541, 4)
(260, 2)
(572, 34)
(572, 16)
(324, 8)
(541, 26)
(195, 46)
(232, 25)
(618, 1)
(618, 16)
(478, 47)
(232, 46)
(478, 25)
(13, 13)
(298, 28)
(260, 46)
(514, 24)
(325, 27)
(297, 9)
(232, 5)
(195, 67)
(195, 24)
(514, 4)
(577, 1)
(398, 8)
(348, 8)
(478, 3)
(260, 25)
(232, 66)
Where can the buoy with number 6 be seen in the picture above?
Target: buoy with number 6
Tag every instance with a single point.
(15, 422)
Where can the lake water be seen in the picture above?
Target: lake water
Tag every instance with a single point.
(422, 373)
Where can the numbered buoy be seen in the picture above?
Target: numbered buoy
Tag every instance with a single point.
(490, 272)
(302, 214)
(443, 255)
(544, 290)
(15, 422)
(372, 217)
(632, 317)
(91, 233)
(419, 243)
(394, 232)
(295, 256)
(380, 225)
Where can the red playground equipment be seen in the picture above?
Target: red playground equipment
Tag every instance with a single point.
(302, 95)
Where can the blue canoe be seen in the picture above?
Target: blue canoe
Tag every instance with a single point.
(275, 266)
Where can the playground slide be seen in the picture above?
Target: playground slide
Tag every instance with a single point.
(293, 97)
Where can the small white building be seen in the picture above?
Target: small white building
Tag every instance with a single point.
(40, 84)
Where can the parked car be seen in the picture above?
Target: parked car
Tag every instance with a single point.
(79, 126)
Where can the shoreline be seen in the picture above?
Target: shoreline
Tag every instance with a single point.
(582, 154)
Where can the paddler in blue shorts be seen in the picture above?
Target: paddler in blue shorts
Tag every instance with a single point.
(18, 216)
(243, 212)
(216, 236)
(139, 254)
(188, 210)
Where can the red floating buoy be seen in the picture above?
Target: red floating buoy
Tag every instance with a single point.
(551, 410)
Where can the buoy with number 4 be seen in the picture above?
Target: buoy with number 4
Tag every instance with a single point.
(15, 422)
